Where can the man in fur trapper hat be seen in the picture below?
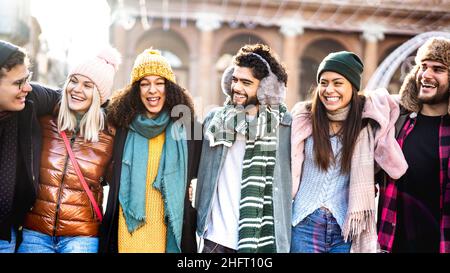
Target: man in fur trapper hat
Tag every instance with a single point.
(244, 174)
(415, 210)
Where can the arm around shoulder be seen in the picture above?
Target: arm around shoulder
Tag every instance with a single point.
(45, 99)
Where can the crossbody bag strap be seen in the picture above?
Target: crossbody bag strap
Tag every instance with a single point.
(81, 177)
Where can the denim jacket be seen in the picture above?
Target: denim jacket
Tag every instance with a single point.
(211, 163)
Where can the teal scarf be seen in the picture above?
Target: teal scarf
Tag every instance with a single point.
(170, 181)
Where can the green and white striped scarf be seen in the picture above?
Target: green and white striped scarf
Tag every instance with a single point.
(256, 222)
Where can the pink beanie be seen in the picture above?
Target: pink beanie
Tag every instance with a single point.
(100, 70)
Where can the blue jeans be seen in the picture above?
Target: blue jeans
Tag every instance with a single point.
(319, 233)
(8, 247)
(36, 242)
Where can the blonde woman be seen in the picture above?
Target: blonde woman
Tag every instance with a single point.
(67, 214)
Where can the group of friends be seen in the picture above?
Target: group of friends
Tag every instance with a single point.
(349, 170)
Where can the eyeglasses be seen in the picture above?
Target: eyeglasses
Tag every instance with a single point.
(21, 83)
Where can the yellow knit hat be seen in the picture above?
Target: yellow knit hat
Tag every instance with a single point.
(151, 62)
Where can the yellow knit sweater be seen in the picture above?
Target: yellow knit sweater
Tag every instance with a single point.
(151, 237)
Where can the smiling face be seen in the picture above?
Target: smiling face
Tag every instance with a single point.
(80, 90)
(244, 86)
(432, 82)
(153, 94)
(335, 91)
(14, 87)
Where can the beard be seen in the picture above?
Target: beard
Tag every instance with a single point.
(441, 95)
(253, 100)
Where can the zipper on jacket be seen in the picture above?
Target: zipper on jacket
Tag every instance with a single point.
(58, 203)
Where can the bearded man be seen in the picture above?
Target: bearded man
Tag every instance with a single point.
(415, 210)
(244, 180)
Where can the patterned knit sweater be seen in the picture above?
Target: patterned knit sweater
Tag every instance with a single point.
(320, 188)
(151, 237)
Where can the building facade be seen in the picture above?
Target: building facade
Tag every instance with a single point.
(199, 37)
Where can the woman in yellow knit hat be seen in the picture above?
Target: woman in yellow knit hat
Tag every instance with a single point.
(148, 208)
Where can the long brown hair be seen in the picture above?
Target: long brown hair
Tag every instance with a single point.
(126, 104)
(351, 127)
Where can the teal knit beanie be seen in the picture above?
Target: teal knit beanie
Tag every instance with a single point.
(346, 63)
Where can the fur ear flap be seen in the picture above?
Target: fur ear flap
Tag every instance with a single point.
(227, 79)
(409, 93)
(271, 91)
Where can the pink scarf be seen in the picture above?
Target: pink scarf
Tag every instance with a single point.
(373, 144)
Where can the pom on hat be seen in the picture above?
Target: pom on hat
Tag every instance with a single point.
(101, 70)
(151, 62)
(153, 51)
(111, 56)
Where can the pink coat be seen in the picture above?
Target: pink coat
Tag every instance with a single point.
(380, 107)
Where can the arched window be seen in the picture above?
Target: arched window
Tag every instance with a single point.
(173, 47)
(229, 49)
(401, 72)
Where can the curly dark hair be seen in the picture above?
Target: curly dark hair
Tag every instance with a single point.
(126, 104)
(260, 71)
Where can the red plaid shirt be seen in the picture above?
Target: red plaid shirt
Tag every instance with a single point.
(388, 195)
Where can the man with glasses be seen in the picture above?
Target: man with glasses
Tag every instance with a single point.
(20, 139)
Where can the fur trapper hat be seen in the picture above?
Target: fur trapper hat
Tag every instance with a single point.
(435, 49)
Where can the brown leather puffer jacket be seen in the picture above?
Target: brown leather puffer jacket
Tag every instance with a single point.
(62, 207)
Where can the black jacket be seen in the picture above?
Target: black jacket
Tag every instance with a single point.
(41, 101)
(109, 228)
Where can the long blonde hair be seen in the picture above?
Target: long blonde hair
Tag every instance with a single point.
(93, 120)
